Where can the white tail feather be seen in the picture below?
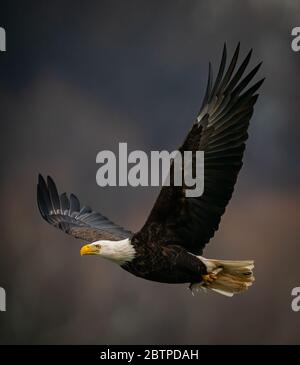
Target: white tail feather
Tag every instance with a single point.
(230, 277)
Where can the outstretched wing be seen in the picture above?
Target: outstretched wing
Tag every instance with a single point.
(220, 130)
(66, 214)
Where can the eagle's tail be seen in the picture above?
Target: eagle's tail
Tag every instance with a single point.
(226, 277)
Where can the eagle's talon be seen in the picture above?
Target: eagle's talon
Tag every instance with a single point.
(209, 278)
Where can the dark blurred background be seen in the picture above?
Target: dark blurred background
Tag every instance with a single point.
(80, 77)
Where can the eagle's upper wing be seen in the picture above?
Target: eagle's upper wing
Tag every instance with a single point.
(66, 214)
(220, 130)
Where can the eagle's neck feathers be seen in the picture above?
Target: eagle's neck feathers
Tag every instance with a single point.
(118, 251)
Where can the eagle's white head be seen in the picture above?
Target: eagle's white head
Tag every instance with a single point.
(117, 251)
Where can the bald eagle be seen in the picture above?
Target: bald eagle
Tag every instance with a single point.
(168, 248)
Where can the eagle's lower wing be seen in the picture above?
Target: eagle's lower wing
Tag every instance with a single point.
(80, 222)
(220, 131)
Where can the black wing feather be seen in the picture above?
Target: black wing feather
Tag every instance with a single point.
(220, 131)
(221, 72)
(55, 201)
(64, 201)
(67, 215)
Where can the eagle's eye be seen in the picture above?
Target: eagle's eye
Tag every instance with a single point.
(98, 246)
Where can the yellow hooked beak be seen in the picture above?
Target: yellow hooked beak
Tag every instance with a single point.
(89, 250)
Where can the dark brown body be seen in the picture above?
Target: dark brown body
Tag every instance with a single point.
(165, 263)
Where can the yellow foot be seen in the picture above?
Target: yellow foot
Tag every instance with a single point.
(209, 279)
